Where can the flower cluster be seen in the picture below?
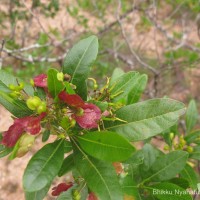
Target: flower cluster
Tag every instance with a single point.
(87, 115)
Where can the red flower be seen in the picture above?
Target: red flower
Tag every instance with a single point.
(90, 115)
(71, 99)
(62, 187)
(40, 81)
(26, 124)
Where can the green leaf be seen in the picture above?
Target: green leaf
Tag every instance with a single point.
(129, 188)
(146, 119)
(45, 135)
(116, 74)
(78, 61)
(67, 146)
(37, 195)
(4, 151)
(181, 182)
(67, 165)
(136, 159)
(16, 107)
(193, 137)
(3, 87)
(150, 154)
(100, 176)
(189, 173)
(106, 145)
(174, 192)
(167, 166)
(191, 115)
(43, 166)
(8, 79)
(128, 87)
(137, 90)
(54, 85)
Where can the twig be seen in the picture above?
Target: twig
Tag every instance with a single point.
(38, 20)
(35, 59)
(129, 45)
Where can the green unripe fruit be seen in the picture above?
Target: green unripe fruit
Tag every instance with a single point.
(190, 149)
(95, 86)
(171, 136)
(25, 143)
(76, 195)
(60, 76)
(21, 86)
(72, 123)
(42, 108)
(182, 142)
(33, 102)
(32, 82)
(15, 94)
(166, 147)
(12, 87)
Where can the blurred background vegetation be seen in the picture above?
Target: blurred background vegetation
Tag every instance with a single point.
(156, 37)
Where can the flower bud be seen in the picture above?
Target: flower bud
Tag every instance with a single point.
(95, 86)
(60, 76)
(67, 77)
(73, 86)
(32, 82)
(72, 123)
(21, 86)
(182, 141)
(42, 107)
(189, 149)
(76, 195)
(80, 112)
(15, 94)
(166, 147)
(12, 87)
(33, 102)
(25, 143)
(171, 136)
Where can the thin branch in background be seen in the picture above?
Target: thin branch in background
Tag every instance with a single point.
(134, 54)
(38, 20)
(1, 59)
(37, 59)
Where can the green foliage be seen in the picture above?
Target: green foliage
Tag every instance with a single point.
(106, 145)
(140, 125)
(129, 86)
(78, 61)
(191, 116)
(94, 129)
(167, 166)
(43, 167)
(54, 85)
(95, 171)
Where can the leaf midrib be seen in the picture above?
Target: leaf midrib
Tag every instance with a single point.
(48, 161)
(103, 144)
(78, 65)
(123, 85)
(149, 178)
(125, 124)
(86, 157)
